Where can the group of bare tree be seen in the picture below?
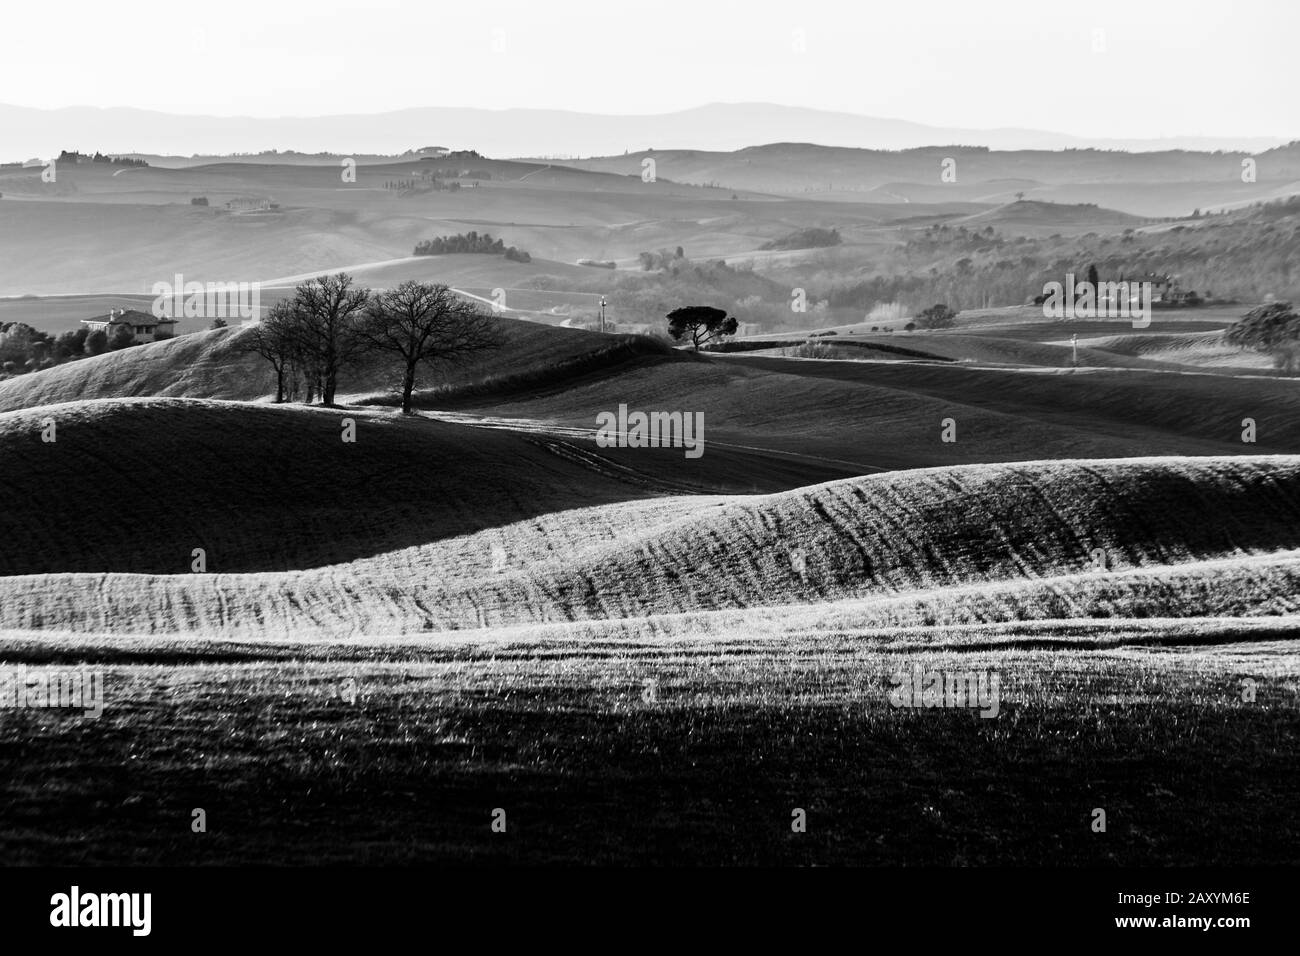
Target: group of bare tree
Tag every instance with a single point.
(330, 324)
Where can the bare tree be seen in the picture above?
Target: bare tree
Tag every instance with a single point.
(328, 313)
(422, 322)
(275, 339)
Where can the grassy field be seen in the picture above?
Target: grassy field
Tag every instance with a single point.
(471, 618)
(663, 753)
(427, 525)
(640, 657)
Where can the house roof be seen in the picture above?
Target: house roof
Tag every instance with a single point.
(130, 317)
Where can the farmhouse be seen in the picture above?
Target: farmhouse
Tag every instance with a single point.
(1161, 285)
(250, 204)
(1164, 290)
(144, 327)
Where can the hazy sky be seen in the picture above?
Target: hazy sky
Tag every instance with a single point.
(1132, 68)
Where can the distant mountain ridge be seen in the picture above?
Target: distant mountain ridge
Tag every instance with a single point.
(33, 132)
(977, 173)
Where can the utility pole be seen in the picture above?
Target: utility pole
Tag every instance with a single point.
(602, 313)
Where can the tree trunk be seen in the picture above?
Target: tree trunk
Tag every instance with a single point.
(408, 386)
(279, 385)
(328, 381)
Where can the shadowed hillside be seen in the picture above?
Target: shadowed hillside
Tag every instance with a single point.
(823, 419)
(217, 364)
(885, 415)
(1130, 538)
(136, 484)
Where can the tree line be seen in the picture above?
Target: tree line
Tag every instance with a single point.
(470, 242)
(74, 156)
(330, 324)
(26, 349)
(806, 239)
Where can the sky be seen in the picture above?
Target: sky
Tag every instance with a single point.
(1135, 68)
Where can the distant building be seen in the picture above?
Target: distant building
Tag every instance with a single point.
(1180, 297)
(250, 204)
(144, 326)
(1161, 285)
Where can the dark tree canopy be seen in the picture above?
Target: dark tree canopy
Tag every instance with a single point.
(465, 242)
(703, 323)
(938, 316)
(71, 344)
(1273, 329)
(121, 338)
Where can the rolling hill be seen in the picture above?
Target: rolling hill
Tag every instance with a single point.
(420, 549)
(92, 231)
(793, 421)
(884, 415)
(136, 484)
(1205, 350)
(217, 364)
(1023, 214)
(1162, 183)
